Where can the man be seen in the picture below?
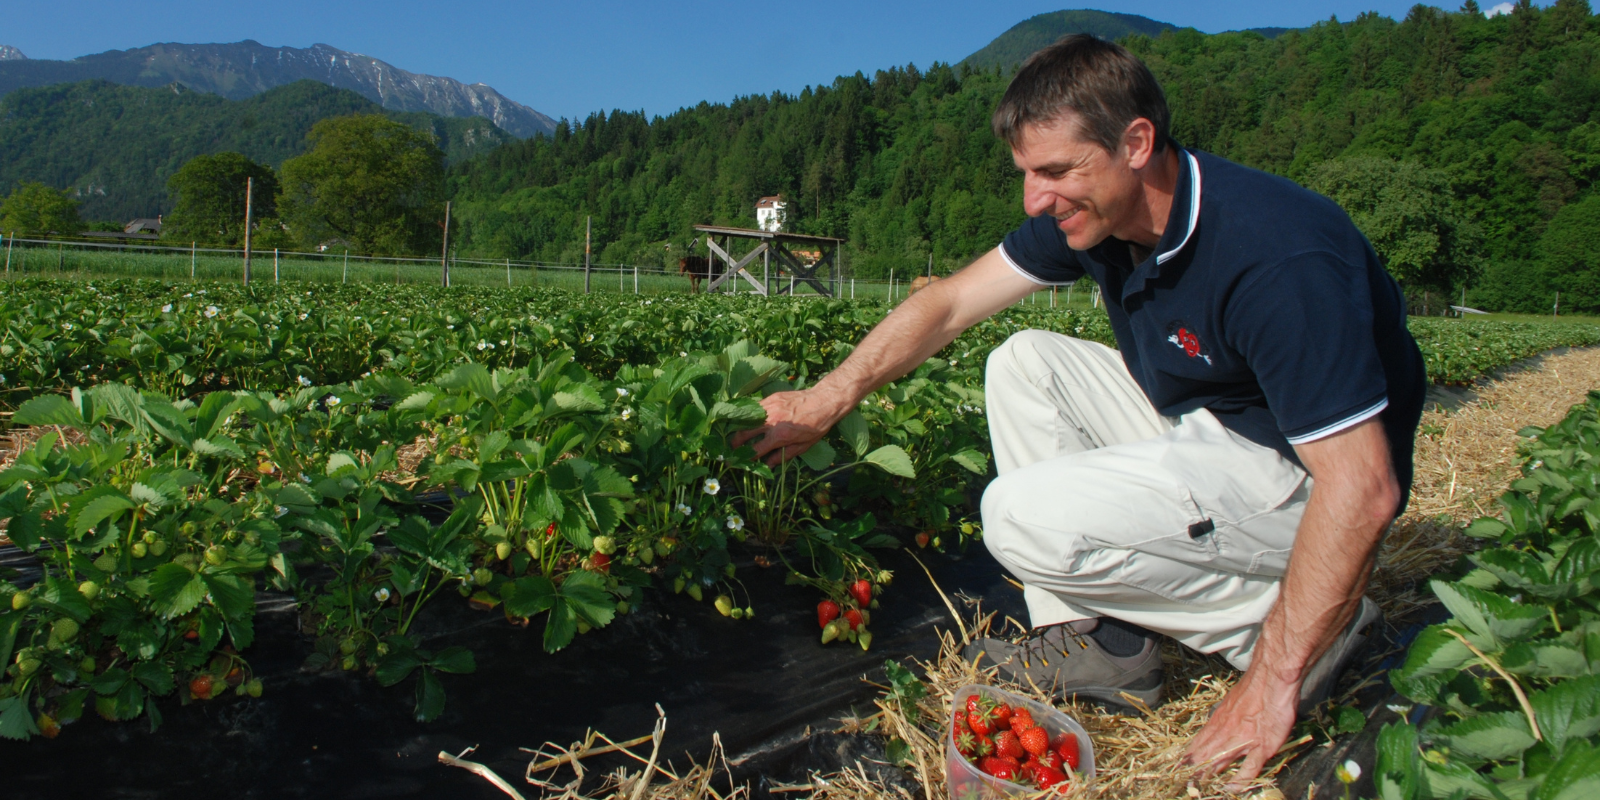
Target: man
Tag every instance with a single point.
(1225, 475)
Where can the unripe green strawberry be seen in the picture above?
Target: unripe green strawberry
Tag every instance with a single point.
(502, 550)
(482, 576)
(695, 592)
(864, 638)
(187, 529)
(383, 649)
(749, 613)
(677, 585)
(623, 607)
(253, 687)
(647, 555)
(605, 544)
(728, 570)
(64, 630)
(533, 547)
(86, 666)
(21, 600)
(663, 549)
(583, 627)
(465, 589)
(737, 613)
(216, 554)
(158, 547)
(139, 549)
(830, 631)
(349, 646)
(89, 589)
(349, 663)
(150, 537)
(106, 563)
(966, 528)
(724, 605)
(28, 666)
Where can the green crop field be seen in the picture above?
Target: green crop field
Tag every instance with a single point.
(206, 440)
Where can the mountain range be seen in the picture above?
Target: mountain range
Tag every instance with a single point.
(115, 146)
(1024, 38)
(245, 69)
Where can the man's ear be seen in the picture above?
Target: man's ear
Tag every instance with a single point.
(1139, 143)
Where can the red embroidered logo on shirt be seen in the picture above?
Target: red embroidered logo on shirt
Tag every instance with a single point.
(1180, 335)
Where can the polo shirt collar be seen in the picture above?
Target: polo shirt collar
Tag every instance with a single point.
(1182, 221)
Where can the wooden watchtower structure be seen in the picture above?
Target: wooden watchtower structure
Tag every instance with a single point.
(774, 246)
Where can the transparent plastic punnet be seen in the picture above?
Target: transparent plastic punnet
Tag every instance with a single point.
(966, 782)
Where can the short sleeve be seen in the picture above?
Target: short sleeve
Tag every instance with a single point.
(1305, 329)
(1038, 251)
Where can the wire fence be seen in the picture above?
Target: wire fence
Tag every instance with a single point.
(81, 260)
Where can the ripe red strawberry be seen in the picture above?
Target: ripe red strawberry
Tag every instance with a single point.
(1015, 764)
(960, 718)
(1067, 748)
(1034, 740)
(1045, 777)
(998, 768)
(827, 611)
(1002, 717)
(854, 618)
(985, 746)
(922, 539)
(1007, 744)
(862, 591)
(1021, 719)
(200, 686)
(972, 703)
(980, 722)
(966, 743)
(1048, 759)
(601, 561)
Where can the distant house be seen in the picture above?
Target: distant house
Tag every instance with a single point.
(142, 228)
(769, 213)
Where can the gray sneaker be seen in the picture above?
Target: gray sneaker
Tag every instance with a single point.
(1059, 659)
(1320, 680)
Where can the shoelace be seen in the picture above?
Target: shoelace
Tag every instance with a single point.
(1035, 644)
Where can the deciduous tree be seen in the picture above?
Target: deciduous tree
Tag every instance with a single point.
(34, 208)
(210, 195)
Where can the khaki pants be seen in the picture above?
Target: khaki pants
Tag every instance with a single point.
(1104, 507)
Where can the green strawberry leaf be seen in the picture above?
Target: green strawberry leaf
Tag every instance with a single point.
(974, 461)
(50, 409)
(394, 668)
(1569, 710)
(819, 456)
(430, 697)
(1492, 621)
(15, 721)
(585, 593)
(528, 596)
(175, 591)
(107, 506)
(1487, 737)
(154, 675)
(855, 432)
(1432, 654)
(454, 659)
(893, 460)
(233, 596)
(1576, 776)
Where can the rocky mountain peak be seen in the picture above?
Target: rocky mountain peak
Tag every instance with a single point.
(9, 53)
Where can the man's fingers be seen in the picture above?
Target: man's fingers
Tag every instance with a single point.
(739, 439)
(1249, 769)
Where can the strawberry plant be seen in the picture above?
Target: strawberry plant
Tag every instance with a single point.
(1515, 673)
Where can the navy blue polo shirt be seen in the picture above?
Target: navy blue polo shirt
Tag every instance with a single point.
(1262, 302)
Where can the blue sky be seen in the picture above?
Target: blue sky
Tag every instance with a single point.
(573, 57)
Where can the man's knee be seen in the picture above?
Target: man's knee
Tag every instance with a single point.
(1010, 538)
(1021, 350)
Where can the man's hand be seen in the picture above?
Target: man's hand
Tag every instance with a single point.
(1251, 722)
(1354, 495)
(795, 422)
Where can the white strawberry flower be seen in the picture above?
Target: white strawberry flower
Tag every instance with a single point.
(278, 511)
(626, 413)
(735, 523)
(303, 316)
(382, 594)
(166, 309)
(684, 509)
(333, 401)
(712, 486)
(304, 381)
(1348, 772)
(211, 311)
(589, 338)
(621, 392)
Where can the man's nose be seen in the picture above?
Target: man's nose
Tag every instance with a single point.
(1036, 199)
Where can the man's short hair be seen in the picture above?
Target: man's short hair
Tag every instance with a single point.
(1100, 82)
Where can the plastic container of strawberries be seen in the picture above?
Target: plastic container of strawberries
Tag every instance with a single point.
(966, 782)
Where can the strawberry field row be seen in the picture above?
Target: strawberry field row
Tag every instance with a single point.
(186, 341)
(540, 492)
(1514, 675)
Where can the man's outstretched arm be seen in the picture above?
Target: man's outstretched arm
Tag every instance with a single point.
(1353, 497)
(912, 333)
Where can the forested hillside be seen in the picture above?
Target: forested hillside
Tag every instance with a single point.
(115, 146)
(1496, 110)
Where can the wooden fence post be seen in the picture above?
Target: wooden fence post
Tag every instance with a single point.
(444, 252)
(249, 190)
(586, 227)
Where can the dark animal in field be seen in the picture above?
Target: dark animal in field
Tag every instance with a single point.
(921, 283)
(700, 268)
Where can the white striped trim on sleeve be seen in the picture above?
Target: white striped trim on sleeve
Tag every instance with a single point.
(1348, 422)
(1026, 274)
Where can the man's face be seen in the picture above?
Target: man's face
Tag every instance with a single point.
(1089, 191)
